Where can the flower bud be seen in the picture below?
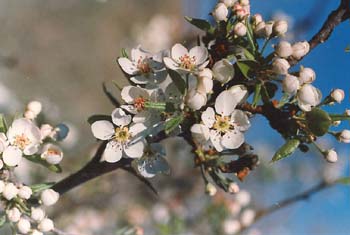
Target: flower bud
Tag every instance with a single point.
(23, 226)
(206, 73)
(331, 155)
(195, 100)
(231, 226)
(10, 191)
(338, 95)
(280, 27)
(220, 12)
(244, 2)
(290, 84)
(223, 71)
(344, 136)
(25, 192)
(35, 107)
(268, 29)
(210, 189)
(37, 214)
(49, 197)
(308, 96)
(347, 112)
(259, 30)
(46, 225)
(240, 29)
(336, 123)
(256, 19)
(241, 10)
(306, 75)
(284, 49)
(52, 154)
(280, 66)
(243, 198)
(46, 131)
(36, 232)
(228, 3)
(300, 49)
(13, 214)
(247, 217)
(233, 188)
(205, 85)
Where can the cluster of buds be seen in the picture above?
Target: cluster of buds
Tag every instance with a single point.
(239, 8)
(268, 29)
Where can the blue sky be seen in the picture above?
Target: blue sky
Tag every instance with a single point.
(329, 211)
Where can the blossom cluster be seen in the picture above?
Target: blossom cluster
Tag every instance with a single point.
(24, 138)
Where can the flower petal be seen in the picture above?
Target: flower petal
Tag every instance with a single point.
(240, 120)
(208, 117)
(215, 138)
(224, 103)
(200, 133)
(113, 152)
(178, 51)
(127, 66)
(102, 130)
(232, 139)
(134, 150)
(12, 156)
(200, 54)
(120, 118)
(130, 93)
(170, 63)
(137, 128)
(140, 79)
(139, 54)
(31, 149)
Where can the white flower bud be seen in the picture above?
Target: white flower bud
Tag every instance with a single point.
(256, 19)
(347, 112)
(49, 197)
(210, 189)
(223, 71)
(259, 30)
(280, 66)
(290, 84)
(231, 226)
(205, 85)
(46, 225)
(280, 27)
(37, 214)
(228, 3)
(234, 208)
(206, 73)
(36, 232)
(284, 49)
(13, 214)
(29, 115)
(247, 217)
(23, 226)
(306, 75)
(268, 29)
(336, 123)
(2, 186)
(46, 131)
(52, 154)
(344, 136)
(300, 49)
(331, 155)
(308, 96)
(244, 2)
(241, 10)
(243, 198)
(10, 191)
(220, 12)
(338, 95)
(233, 188)
(35, 107)
(240, 29)
(25, 192)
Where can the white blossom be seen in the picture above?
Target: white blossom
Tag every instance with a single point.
(195, 100)
(280, 27)
(331, 155)
(210, 189)
(338, 95)
(300, 49)
(25, 192)
(36, 232)
(290, 84)
(35, 107)
(37, 214)
(308, 97)
(241, 9)
(268, 29)
(228, 3)
(23, 226)
(233, 188)
(231, 226)
(344, 136)
(10, 191)
(256, 19)
(205, 81)
(122, 139)
(243, 198)
(52, 154)
(240, 29)
(223, 71)
(247, 217)
(46, 225)
(187, 61)
(280, 66)
(220, 12)
(13, 214)
(306, 75)
(49, 197)
(284, 49)
(259, 29)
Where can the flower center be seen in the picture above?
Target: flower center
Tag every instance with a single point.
(143, 66)
(139, 103)
(122, 134)
(21, 141)
(222, 124)
(187, 62)
(53, 152)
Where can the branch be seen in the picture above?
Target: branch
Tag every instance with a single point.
(336, 17)
(290, 201)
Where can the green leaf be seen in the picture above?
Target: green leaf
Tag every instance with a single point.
(287, 149)
(172, 123)
(339, 117)
(178, 80)
(344, 180)
(99, 117)
(124, 53)
(318, 121)
(244, 67)
(40, 187)
(37, 159)
(155, 105)
(3, 124)
(257, 95)
(201, 24)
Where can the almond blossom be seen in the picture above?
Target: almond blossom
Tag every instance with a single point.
(122, 136)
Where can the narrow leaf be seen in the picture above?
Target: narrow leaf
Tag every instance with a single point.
(178, 80)
(3, 124)
(244, 68)
(257, 95)
(37, 159)
(201, 24)
(40, 187)
(287, 149)
(172, 123)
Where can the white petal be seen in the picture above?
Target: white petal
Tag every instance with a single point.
(240, 92)
(102, 130)
(200, 133)
(137, 128)
(30, 150)
(225, 103)
(130, 93)
(240, 120)
(142, 117)
(208, 117)
(215, 138)
(127, 66)
(138, 53)
(178, 51)
(232, 139)
(113, 152)
(134, 150)
(12, 156)
(129, 108)
(171, 64)
(140, 79)
(18, 127)
(200, 54)
(120, 118)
